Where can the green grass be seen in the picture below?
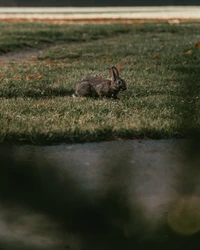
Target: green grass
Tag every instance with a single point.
(15, 36)
(162, 99)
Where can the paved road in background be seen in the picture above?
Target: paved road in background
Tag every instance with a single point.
(100, 13)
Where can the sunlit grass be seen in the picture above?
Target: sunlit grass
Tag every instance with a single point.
(162, 99)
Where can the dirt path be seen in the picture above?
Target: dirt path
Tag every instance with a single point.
(26, 54)
(22, 55)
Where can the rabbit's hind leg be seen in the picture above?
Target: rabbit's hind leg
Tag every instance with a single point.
(83, 89)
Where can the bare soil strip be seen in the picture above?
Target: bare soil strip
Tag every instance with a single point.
(99, 20)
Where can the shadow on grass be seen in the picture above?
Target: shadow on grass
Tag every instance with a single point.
(188, 97)
(48, 93)
(54, 92)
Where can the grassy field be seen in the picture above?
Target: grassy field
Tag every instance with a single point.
(159, 61)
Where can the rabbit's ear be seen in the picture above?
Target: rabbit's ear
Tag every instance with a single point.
(110, 72)
(114, 75)
(115, 70)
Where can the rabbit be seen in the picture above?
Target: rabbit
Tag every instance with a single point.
(100, 87)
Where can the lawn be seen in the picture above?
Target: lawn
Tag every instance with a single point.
(159, 61)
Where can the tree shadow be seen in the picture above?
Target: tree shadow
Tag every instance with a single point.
(187, 104)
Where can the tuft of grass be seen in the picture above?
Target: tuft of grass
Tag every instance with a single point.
(159, 62)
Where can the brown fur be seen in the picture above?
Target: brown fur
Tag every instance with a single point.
(99, 87)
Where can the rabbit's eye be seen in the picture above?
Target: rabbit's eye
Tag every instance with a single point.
(119, 82)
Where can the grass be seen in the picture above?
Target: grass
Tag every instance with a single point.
(15, 36)
(159, 62)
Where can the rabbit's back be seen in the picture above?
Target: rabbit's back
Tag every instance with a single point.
(92, 86)
(94, 81)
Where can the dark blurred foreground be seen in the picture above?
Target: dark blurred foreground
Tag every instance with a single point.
(97, 2)
(110, 195)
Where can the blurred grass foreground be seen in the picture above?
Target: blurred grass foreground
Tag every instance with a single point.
(41, 64)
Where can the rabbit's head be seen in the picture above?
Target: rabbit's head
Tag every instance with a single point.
(117, 82)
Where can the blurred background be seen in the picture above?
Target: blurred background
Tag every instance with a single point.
(111, 195)
(97, 2)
